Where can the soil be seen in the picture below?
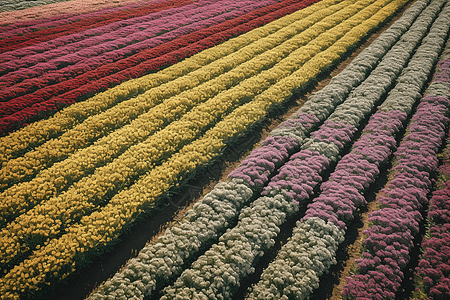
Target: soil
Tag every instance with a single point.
(83, 282)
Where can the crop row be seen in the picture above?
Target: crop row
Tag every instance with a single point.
(82, 24)
(157, 117)
(61, 10)
(89, 83)
(59, 256)
(432, 278)
(295, 271)
(389, 238)
(6, 5)
(79, 57)
(158, 263)
(167, 128)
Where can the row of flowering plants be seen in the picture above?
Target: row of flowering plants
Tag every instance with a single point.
(85, 22)
(65, 79)
(163, 132)
(394, 225)
(219, 270)
(54, 97)
(181, 124)
(7, 5)
(432, 276)
(63, 9)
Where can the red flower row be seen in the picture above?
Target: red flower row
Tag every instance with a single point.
(74, 59)
(90, 83)
(47, 34)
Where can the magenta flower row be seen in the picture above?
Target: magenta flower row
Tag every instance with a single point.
(443, 74)
(338, 133)
(394, 225)
(341, 195)
(256, 169)
(434, 265)
(298, 177)
(432, 274)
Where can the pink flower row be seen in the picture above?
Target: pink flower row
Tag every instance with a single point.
(18, 93)
(389, 239)
(356, 171)
(274, 151)
(433, 270)
(63, 9)
(77, 62)
(432, 274)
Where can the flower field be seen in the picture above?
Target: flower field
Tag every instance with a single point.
(109, 109)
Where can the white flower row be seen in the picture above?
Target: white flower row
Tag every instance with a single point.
(159, 262)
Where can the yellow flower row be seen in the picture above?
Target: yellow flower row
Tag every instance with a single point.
(35, 134)
(57, 259)
(46, 220)
(252, 60)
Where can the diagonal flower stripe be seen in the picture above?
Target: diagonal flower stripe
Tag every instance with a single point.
(110, 109)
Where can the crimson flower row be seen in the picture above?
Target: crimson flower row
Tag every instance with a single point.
(160, 261)
(47, 73)
(94, 81)
(44, 35)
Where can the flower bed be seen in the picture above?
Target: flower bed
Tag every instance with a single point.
(192, 144)
(94, 81)
(396, 221)
(254, 172)
(73, 184)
